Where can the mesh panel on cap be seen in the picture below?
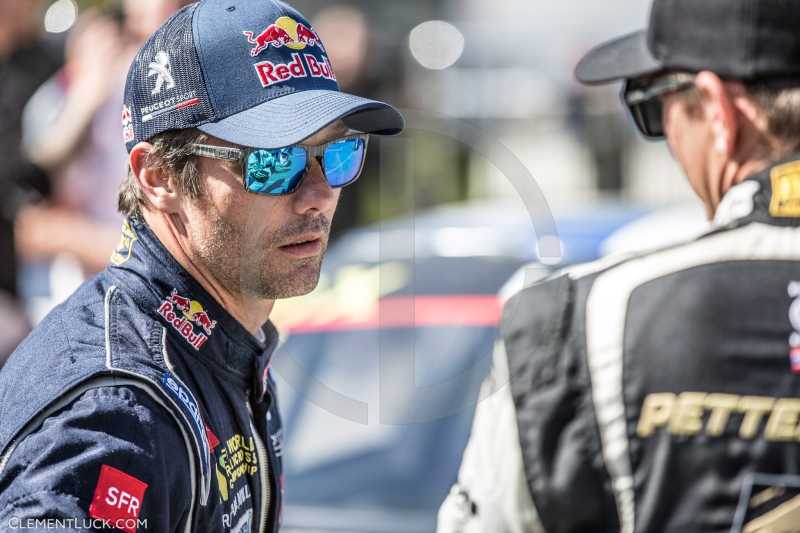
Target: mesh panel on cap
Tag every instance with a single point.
(165, 89)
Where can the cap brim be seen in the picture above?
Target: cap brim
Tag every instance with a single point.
(292, 118)
(626, 57)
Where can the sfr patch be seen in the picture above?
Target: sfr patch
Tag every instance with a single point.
(118, 498)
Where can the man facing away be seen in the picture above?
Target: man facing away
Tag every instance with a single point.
(145, 400)
(661, 392)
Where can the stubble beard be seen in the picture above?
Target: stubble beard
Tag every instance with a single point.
(250, 265)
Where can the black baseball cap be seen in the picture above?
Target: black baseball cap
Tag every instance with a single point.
(250, 72)
(737, 39)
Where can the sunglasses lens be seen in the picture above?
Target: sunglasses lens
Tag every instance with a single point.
(652, 114)
(275, 172)
(343, 161)
(645, 110)
(647, 116)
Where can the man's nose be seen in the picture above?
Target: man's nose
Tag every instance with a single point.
(314, 192)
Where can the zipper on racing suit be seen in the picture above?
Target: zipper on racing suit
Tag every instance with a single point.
(263, 474)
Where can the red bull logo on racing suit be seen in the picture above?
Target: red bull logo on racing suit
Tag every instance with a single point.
(184, 315)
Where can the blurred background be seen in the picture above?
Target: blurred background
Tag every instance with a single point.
(380, 367)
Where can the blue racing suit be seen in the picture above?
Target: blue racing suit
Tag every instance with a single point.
(140, 404)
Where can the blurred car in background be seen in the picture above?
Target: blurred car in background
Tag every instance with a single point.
(382, 364)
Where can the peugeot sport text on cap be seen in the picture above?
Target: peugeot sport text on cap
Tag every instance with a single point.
(737, 39)
(249, 72)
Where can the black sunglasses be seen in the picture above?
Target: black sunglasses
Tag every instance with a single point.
(642, 99)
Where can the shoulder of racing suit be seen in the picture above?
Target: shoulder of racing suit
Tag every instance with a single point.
(548, 386)
(109, 455)
(98, 339)
(635, 381)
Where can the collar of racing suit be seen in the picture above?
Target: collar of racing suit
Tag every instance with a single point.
(771, 196)
(162, 287)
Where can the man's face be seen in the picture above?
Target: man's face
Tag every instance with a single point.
(690, 140)
(263, 247)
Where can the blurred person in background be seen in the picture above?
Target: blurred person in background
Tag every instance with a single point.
(147, 395)
(26, 60)
(660, 392)
(349, 55)
(72, 131)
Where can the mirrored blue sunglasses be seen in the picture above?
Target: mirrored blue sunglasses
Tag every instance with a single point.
(279, 171)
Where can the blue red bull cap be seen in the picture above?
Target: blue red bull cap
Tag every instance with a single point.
(249, 72)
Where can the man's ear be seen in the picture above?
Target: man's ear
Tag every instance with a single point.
(719, 109)
(154, 182)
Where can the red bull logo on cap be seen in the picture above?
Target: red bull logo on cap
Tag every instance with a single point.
(295, 36)
(270, 73)
(184, 314)
(283, 32)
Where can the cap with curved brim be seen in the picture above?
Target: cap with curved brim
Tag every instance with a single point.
(292, 118)
(626, 57)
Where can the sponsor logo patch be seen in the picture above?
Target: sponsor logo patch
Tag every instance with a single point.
(237, 458)
(160, 68)
(270, 73)
(185, 397)
(124, 249)
(785, 190)
(188, 405)
(186, 316)
(285, 31)
(239, 502)
(213, 441)
(182, 101)
(296, 36)
(717, 414)
(127, 124)
(118, 498)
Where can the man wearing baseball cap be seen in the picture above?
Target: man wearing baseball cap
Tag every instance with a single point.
(145, 401)
(660, 392)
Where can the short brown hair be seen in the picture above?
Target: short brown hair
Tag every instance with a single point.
(781, 106)
(172, 153)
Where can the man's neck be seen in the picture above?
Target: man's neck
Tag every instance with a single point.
(733, 173)
(744, 171)
(252, 313)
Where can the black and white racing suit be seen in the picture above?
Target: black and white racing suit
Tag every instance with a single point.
(659, 392)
